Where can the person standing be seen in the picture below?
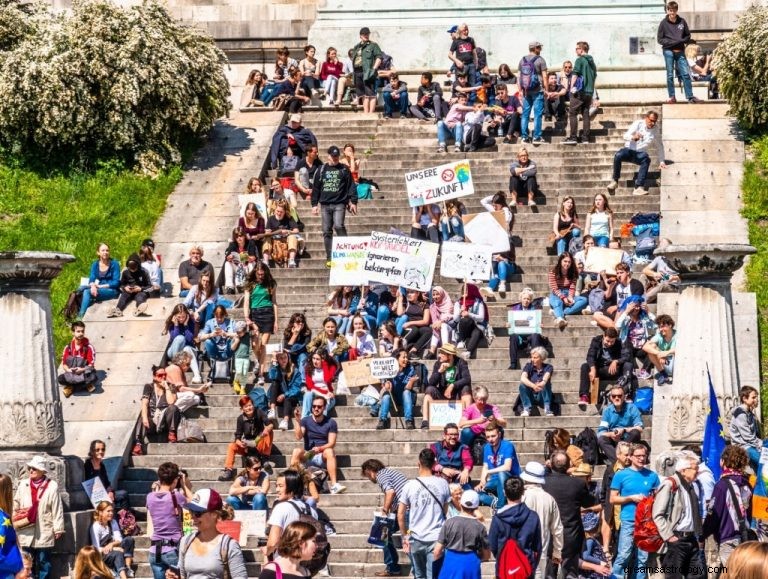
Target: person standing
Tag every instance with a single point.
(366, 59)
(463, 541)
(673, 34)
(581, 89)
(545, 506)
(463, 53)
(628, 487)
(637, 140)
(515, 522)
(677, 516)
(425, 500)
(41, 495)
(532, 77)
(334, 191)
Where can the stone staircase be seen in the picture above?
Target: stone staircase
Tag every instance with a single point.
(396, 146)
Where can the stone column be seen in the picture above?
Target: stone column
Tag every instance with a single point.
(705, 339)
(31, 420)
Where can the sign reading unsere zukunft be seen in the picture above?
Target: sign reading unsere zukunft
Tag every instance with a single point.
(440, 183)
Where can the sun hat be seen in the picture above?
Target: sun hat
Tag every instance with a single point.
(584, 469)
(534, 473)
(38, 463)
(449, 349)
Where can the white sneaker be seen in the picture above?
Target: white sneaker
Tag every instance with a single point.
(283, 424)
(548, 412)
(197, 380)
(466, 355)
(260, 381)
(639, 191)
(525, 412)
(503, 287)
(613, 185)
(531, 203)
(271, 415)
(337, 489)
(487, 292)
(460, 345)
(457, 149)
(324, 572)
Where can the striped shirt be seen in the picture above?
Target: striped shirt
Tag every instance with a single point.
(565, 289)
(390, 479)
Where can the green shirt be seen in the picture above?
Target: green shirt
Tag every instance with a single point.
(364, 55)
(586, 69)
(260, 297)
(243, 351)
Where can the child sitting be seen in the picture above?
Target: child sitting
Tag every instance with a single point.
(77, 362)
(593, 563)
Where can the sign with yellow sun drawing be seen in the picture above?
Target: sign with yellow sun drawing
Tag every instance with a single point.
(440, 183)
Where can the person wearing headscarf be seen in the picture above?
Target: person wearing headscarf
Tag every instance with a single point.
(441, 313)
(471, 318)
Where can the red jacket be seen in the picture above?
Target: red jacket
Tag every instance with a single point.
(329, 373)
(85, 351)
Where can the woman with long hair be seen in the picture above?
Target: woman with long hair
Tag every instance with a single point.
(201, 299)
(748, 561)
(352, 161)
(319, 377)
(260, 309)
(310, 71)
(296, 338)
(506, 75)
(286, 381)
(342, 305)
(103, 280)
(90, 565)
(151, 264)
(10, 554)
(94, 467)
(159, 412)
(330, 73)
(330, 339)
(250, 489)
(389, 339)
(417, 329)
(254, 84)
(116, 550)
(361, 344)
(297, 544)
(599, 222)
(180, 328)
(252, 222)
(239, 259)
(562, 285)
(470, 316)
(565, 224)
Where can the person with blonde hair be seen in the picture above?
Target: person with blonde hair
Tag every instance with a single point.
(748, 561)
(89, 564)
(116, 550)
(297, 544)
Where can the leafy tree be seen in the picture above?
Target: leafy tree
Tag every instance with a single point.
(107, 83)
(741, 64)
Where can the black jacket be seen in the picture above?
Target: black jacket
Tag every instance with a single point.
(140, 277)
(463, 378)
(673, 36)
(333, 185)
(570, 494)
(303, 136)
(620, 351)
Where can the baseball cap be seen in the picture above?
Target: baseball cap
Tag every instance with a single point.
(470, 499)
(534, 44)
(205, 501)
(333, 151)
(365, 31)
(295, 118)
(148, 243)
(453, 29)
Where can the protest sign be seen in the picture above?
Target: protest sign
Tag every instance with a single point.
(760, 497)
(602, 259)
(439, 183)
(348, 260)
(489, 228)
(254, 523)
(383, 368)
(466, 261)
(444, 412)
(401, 260)
(234, 529)
(95, 490)
(524, 322)
(358, 373)
(258, 198)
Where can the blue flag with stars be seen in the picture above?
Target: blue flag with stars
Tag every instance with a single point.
(10, 556)
(714, 435)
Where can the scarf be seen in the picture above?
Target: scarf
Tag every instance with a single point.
(444, 309)
(473, 295)
(694, 499)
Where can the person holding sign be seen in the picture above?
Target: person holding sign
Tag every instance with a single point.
(521, 342)
(450, 380)
(399, 388)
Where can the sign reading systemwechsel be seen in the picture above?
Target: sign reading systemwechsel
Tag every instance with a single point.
(440, 183)
(348, 260)
(401, 260)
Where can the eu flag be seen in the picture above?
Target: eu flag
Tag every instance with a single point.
(714, 435)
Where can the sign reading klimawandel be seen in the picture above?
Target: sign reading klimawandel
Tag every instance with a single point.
(401, 260)
(440, 183)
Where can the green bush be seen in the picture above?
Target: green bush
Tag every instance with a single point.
(741, 62)
(105, 82)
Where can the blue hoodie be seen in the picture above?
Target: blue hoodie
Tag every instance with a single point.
(520, 523)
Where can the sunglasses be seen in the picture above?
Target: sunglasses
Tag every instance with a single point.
(99, 450)
(196, 515)
(320, 406)
(256, 468)
(617, 396)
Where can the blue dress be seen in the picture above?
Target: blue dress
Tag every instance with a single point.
(460, 565)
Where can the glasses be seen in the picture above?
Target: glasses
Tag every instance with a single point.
(451, 434)
(196, 515)
(320, 406)
(617, 396)
(255, 468)
(161, 374)
(639, 456)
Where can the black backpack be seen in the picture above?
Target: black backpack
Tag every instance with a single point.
(549, 443)
(587, 442)
(320, 559)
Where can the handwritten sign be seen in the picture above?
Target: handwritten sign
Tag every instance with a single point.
(524, 322)
(466, 261)
(760, 496)
(95, 490)
(489, 228)
(444, 412)
(383, 368)
(234, 529)
(348, 261)
(358, 372)
(401, 260)
(602, 259)
(439, 183)
(254, 523)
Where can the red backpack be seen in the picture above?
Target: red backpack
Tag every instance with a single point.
(646, 532)
(512, 563)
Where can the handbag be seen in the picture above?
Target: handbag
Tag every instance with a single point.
(27, 516)
(747, 533)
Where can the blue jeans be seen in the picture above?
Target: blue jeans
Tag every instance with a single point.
(601, 240)
(501, 272)
(306, 404)
(382, 315)
(41, 559)
(391, 559)
(214, 353)
(562, 244)
(467, 436)
(537, 102)
(443, 131)
(259, 503)
(343, 324)
(635, 157)
(495, 483)
(528, 396)
(168, 559)
(400, 322)
(405, 399)
(391, 105)
(624, 554)
(370, 322)
(453, 233)
(422, 559)
(102, 295)
(754, 457)
(559, 309)
(672, 59)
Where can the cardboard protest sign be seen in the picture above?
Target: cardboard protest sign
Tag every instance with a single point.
(234, 529)
(443, 412)
(348, 261)
(602, 259)
(95, 490)
(466, 261)
(489, 228)
(524, 322)
(439, 183)
(358, 373)
(401, 260)
(383, 368)
(254, 523)
(258, 198)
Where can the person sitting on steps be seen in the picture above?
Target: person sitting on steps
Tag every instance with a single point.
(77, 362)
(253, 436)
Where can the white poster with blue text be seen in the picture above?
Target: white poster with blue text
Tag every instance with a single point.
(401, 260)
(440, 183)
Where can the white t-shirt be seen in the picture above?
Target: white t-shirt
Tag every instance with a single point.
(598, 224)
(284, 514)
(426, 516)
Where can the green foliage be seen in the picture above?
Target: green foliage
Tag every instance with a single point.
(741, 62)
(74, 214)
(755, 195)
(107, 82)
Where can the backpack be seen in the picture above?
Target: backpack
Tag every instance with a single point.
(512, 563)
(645, 218)
(549, 443)
(587, 442)
(575, 245)
(528, 79)
(645, 243)
(386, 61)
(126, 520)
(223, 551)
(646, 534)
(320, 559)
(258, 396)
(72, 308)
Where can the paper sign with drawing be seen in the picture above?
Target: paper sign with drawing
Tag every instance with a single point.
(401, 260)
(466, 261)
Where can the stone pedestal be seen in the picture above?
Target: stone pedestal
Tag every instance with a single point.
(30, 410)
(705, 340)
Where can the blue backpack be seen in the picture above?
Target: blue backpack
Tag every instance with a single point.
(529, 79)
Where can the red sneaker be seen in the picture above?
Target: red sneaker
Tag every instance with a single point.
(171, 437)
(137, 450)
